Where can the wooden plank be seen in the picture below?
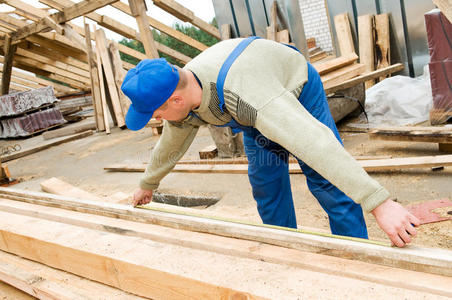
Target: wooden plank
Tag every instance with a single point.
(9, 50)
(132, 275)
(327, 66)
(138, 9)
(340, 75)
(45, 145)
(362, 78)
(382, 44)
(119, 74)
(29, 84)
(58, 187)
(430, 283)
(103, 94)
(366, 45)
(437, 261)
(69, 130)
(101, 45)
(42, 282)
(344, 34)
(446, 8)
(370, 165)
(413, 134)
(283, 36)
(94, 76)
(72, 12)
(164, 28)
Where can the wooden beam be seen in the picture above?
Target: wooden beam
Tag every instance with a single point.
(119, 74)
(133, 275)
(413, 134)
(362, 78)
(94, 76)
(344, 34)
(101, 45)
(388, 276)
(340, 75)
(327, 66)
(366, 45)
(45, 145)
(446, 8)
(103, 93)
(437, 261)
(138, 9)
(69, 13)
(68, 130)
(372, 165)
(9, 51)
(382, 44)
(43, 282)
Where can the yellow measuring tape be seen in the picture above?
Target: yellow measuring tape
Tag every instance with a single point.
(348, 238)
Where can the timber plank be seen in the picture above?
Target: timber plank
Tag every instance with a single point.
(103, 93)
(370, 165)
(241, 248)
(435, 261)
(344, 34)
(119, 74)
(335, 63)
(64, 246)
(382, 44)
(366, 45)
(413, 134)
(138, 9)
(101, 46)
(69, 130)
(45, 145)
(364, 77)
(340, 75)
(9, 51)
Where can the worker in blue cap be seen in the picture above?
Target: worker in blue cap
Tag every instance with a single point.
(268, 91)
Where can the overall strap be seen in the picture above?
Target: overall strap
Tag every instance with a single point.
(227, 65)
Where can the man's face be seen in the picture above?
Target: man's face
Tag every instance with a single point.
(172, 110)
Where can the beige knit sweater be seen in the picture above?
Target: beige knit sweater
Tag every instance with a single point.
(261, 90)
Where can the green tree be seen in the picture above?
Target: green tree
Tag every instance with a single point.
(173, 43)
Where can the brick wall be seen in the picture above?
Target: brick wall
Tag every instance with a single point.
(315, 22)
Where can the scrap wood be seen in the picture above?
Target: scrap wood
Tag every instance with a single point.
(335, 63)
(208, 152)
(436, 261)
(338, 76)
(68, 130)
(413, 134)
(240, 248)
(45, 145)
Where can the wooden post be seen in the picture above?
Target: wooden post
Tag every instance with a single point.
(119, 74)
(366, 45)
(382, 45)
(95, 89)
(344, 34)
(9, 50)
(106, 63)
(138, 9)
(273, 28)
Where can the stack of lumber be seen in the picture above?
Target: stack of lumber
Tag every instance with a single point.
(315, 52)
(374, 51)
(25, 113)
(175, 255)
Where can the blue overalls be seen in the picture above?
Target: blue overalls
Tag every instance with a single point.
(268, 170)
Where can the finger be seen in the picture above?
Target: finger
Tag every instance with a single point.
(414, 220)
(403, 234)
(397, 241)
(410, 229)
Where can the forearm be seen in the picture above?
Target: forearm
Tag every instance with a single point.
(171, 146)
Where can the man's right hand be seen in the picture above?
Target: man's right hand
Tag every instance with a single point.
(142, 197)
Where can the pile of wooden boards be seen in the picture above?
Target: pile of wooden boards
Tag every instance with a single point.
(164, 254)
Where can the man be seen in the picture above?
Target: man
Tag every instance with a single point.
(268, 91)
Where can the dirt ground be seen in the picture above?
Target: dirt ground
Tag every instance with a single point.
(81, 163)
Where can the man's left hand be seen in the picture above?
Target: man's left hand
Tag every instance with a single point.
(396, 221)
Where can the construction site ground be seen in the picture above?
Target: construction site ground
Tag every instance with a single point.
(81, 164)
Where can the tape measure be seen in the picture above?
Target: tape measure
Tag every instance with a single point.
(329, 235)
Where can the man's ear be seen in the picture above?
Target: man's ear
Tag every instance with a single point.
(176, 100)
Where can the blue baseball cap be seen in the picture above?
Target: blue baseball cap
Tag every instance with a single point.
(148, 86)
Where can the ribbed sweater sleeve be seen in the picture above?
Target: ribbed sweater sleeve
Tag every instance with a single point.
(315, 144)
(172, 145)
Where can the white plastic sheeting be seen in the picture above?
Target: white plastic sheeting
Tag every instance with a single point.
(399, 100)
